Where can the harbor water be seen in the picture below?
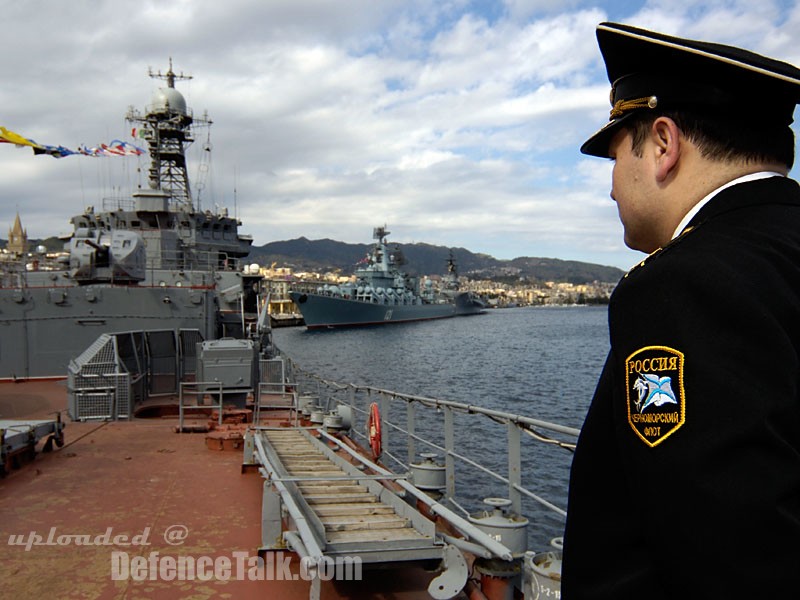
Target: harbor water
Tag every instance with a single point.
(540, 362)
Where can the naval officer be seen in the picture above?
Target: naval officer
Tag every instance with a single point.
(686, 478)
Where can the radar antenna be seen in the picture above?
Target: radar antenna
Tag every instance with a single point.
(169, 76)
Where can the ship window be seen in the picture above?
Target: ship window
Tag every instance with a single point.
(136, 224)
(126, 243)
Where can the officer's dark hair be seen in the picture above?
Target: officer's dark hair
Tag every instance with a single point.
(721, 138)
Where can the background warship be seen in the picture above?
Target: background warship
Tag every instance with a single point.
(150, 261)
(382, 293)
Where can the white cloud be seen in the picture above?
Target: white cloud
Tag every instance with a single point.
(456, 123)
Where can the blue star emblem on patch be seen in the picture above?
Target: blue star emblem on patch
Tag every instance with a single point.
(654, 393)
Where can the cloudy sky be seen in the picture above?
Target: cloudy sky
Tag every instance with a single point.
(454, 122)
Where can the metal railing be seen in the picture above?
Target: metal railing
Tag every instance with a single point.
(199, 389)
(275, 396)
(411, 423)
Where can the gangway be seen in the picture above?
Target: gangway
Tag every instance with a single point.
(342, 510)
(349, 513)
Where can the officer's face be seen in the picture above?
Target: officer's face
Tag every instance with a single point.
(632, 188)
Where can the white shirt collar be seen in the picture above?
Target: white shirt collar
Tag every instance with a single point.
(696, 208)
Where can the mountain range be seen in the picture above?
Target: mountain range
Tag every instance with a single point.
(302, 254)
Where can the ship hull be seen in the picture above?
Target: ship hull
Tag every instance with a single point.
(467, 303)
(41, 329)
(381, 293)
(321, 311)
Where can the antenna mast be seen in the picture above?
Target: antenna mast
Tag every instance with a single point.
(167, 128)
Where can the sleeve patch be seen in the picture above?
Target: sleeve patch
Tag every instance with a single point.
(654, 393)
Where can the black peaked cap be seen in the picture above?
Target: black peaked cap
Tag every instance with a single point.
(651, 70)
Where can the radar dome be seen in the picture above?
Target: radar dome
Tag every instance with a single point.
(169, 98)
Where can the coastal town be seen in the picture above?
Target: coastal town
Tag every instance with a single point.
(506, 288)
(496, 294)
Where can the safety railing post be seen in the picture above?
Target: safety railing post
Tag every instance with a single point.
(180, 408)
(514, 467)
(449, 445)
(384, 408)
(410, 422)
(351, 393)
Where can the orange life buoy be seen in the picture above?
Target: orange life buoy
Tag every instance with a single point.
(374, 429)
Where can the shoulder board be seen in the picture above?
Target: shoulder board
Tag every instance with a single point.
(659, 251)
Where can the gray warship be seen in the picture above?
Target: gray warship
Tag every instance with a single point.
(149, 261)
(382, 294)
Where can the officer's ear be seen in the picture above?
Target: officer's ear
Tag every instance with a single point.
(666, 147)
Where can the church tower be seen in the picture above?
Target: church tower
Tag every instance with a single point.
(17, 238)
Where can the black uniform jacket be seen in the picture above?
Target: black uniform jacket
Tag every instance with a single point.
(686, 479)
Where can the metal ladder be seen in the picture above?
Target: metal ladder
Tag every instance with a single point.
(338, 511)
(349, 513)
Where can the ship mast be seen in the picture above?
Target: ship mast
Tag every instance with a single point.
(167, 128)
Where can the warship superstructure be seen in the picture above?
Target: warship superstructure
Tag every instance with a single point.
(148, 261)
(382, 293)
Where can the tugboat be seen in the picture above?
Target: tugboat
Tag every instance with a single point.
(382, 293)
(142, 262)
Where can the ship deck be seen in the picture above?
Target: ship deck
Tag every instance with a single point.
(61, 513)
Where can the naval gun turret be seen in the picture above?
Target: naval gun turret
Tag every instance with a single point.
(107, 256)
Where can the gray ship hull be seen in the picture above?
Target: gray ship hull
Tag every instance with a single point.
(320, 311)
(41, 329)
(467, 303)
(381, 293)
